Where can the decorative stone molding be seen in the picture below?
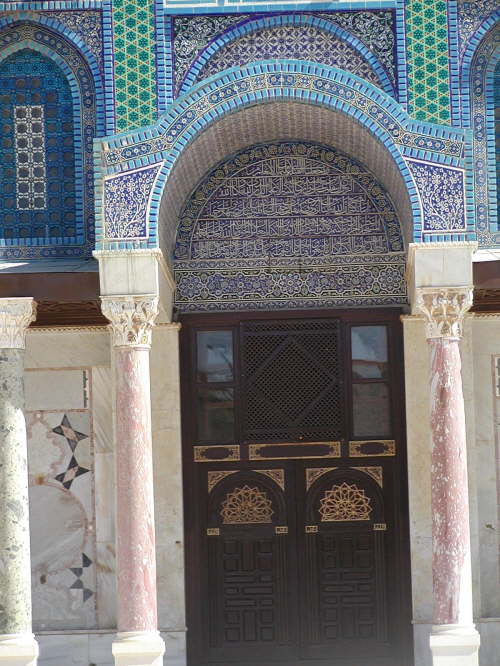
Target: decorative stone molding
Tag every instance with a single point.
(444, 309)
(16, 314)
(132, 318)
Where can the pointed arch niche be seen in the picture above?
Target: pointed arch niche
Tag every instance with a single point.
(48, 115)
(256, 218)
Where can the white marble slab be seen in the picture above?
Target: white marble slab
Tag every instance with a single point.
(56, 389)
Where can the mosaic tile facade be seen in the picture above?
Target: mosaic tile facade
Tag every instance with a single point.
(191, 35)
(87, 25)
(134, 54)
(442, 193)
(290, 42)
(261, 83)
(478, 81)
(428, 60)
(126, 202)
(496, 92)
(40, 69)
(288, 223)
(471, 15)
(215, 43)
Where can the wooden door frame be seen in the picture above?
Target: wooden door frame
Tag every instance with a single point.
(192, 321)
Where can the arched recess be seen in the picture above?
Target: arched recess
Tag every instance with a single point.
(289, 28)
(62, 225)
(304, 124)
(284, 100)
(288, 224)
(480, 61)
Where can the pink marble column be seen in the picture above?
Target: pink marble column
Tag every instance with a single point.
(454, 640)
(132, 319)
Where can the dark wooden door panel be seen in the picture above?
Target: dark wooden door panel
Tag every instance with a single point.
(295, 525)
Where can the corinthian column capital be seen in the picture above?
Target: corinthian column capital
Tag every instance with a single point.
(16, 314)
(132, 318)
(444, 309)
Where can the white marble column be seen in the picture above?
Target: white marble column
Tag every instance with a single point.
(138, 642)
(17, 643)
(454, 640)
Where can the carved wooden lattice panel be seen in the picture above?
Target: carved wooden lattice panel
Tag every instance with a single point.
(347, 588)
(342, 594)
(248, 603)
(292, 380)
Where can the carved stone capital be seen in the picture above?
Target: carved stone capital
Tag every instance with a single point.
(16, 314)
(132, 319)
(444, 309)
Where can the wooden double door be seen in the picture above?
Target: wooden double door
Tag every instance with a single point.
(295, 496)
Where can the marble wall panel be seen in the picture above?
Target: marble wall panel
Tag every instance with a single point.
(168, 480)
(419, 465)
(65, 348)
(485, 340)
(102, 401)
(61, 479)
(70, 391)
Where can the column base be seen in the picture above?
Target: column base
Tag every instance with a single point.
(18, 650)
(454, 645)
(138, 648)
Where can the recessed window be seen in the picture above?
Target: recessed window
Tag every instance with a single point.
(34, 152)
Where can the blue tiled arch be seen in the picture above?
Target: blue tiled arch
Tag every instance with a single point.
(483, 173)
(83, 242)
(285, 93)
(266, 22)
(58, 28)
(474, 44)
(179, 127)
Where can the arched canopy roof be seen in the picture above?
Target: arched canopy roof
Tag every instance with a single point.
(274, 121)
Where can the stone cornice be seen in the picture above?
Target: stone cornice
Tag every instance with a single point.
(16, 314)
(444, 309)
(132, 318)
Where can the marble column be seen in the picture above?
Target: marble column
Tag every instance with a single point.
(454, 640)
(17, 643)
(138, 642)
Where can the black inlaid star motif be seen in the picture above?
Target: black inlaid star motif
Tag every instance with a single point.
(66, 430)
(78, 584)
(74, 470)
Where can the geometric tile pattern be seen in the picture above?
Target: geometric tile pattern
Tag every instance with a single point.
(203, 38)
(37, 150)
(67, 431)
(72, 437)
(482, 115)
(256, 83)
(192, 34)
(134, 53)
(87, 25)
(470, 17)
(289, 41)
(29, 133)
(53, 74)
(62, 507)
(79, 583)
(428, 60)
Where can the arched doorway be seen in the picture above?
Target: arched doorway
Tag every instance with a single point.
(285, 306)
(293, 437)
